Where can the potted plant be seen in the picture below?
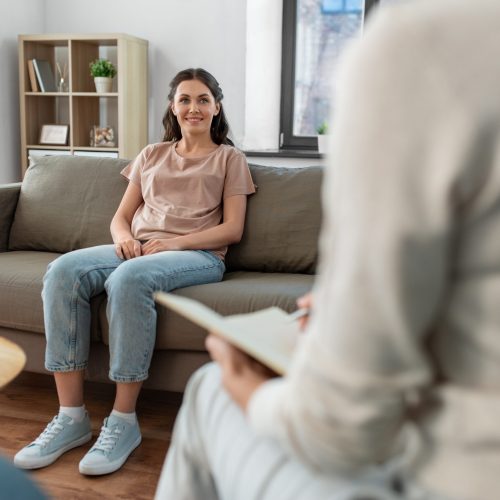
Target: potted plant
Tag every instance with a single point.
(322, 137)
(103, 72)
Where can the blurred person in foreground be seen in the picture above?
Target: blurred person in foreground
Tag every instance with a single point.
(394, 391)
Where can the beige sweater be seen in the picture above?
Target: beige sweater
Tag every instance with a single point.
(402, 354)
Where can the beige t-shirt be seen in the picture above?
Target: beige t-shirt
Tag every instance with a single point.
(184, 195)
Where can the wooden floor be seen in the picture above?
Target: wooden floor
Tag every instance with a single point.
(28, 403)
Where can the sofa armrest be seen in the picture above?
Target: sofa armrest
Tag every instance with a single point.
(9, 195)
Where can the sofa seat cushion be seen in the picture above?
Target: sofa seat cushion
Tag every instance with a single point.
(67, 203)
(21, 275)
(239, 292)
(21, 281)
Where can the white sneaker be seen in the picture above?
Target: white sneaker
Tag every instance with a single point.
(118, 439)
(61, 434)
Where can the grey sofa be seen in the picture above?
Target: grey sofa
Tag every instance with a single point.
(65, 203)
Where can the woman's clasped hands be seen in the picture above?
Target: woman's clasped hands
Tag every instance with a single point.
(130, 248)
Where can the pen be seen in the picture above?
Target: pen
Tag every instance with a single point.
(299, 313)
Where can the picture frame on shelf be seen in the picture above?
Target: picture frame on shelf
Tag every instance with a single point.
(55, 135)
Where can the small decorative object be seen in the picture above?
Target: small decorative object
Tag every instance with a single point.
(62, 82)
(322, 138)
(102, 137)
(54, 134)
(103, 72)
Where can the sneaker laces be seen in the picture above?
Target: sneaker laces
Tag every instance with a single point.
(107, 438)
(50, 432)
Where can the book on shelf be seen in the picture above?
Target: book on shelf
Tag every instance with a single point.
(269, 335)
(44, 75)
(32, 75)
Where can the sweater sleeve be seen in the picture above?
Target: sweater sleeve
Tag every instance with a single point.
(384, 261)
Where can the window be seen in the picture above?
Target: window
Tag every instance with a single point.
(314, 34)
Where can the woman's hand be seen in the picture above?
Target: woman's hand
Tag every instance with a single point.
(155, 246)
(241, 374)
(128, 249)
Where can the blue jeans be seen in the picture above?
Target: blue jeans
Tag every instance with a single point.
(74, 278)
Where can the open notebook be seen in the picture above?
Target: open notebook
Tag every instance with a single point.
(268, 335)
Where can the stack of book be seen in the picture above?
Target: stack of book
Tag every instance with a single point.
(41, 76)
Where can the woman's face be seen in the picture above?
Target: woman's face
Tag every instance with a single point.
(194, 106)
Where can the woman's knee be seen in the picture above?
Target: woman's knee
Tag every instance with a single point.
(129, 279)
(84, 270)
(62, 271)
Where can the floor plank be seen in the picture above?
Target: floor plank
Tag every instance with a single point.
(30, 402)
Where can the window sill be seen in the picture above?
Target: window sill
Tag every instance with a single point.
(284, 153)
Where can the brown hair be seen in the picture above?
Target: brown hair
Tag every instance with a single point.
(219, 127)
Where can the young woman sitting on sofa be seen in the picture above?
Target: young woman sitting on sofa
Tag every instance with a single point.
(185, 202)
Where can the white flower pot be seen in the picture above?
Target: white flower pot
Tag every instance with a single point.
(103, 84)
(322, 144)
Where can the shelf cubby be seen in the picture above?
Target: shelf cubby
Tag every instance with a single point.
(45, 110)
(93, 110)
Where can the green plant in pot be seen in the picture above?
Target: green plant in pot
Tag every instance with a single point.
(322, 131)
(103, 72)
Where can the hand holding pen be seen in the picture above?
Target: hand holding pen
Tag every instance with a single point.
(302, 313)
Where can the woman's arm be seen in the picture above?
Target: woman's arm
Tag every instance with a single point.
(230, 231)
(126, 246)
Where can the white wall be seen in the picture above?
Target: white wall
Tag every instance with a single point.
(239, 41)
(181, 34)
(18, 17)
(263, 74)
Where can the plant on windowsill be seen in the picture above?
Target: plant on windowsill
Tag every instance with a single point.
(103, 72)
(322, 131)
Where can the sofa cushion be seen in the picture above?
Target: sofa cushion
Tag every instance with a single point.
(9, 194)
(66, 203)
(21, 280)
(21, 275)
(239, 292)
(282, 223)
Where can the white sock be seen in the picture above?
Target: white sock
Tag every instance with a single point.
(129, 417)
(77, 413)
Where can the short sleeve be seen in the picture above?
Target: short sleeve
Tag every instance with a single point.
(134, 169)
(238, 179)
